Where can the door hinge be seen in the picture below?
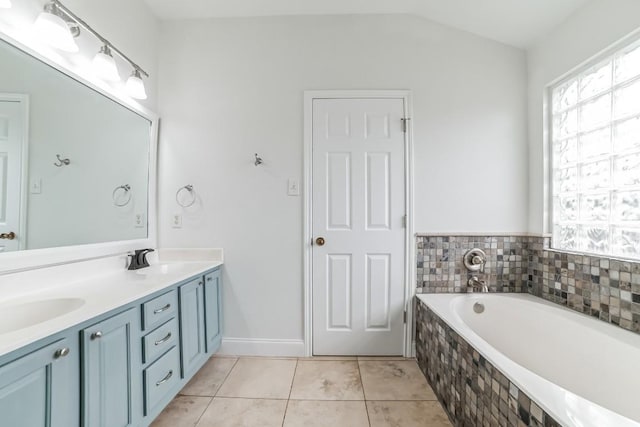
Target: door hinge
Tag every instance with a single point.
(404, 316)
(405, 124)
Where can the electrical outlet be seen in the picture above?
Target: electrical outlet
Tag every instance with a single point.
(293, 189)
(139, 220)
(176, 221)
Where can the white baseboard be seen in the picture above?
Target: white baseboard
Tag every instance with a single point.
(262, 347)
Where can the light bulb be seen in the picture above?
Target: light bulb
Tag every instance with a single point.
(54, 30)
(105, 66)
(135, 85)
(5, 4)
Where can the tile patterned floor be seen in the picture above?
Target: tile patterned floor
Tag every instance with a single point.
(306, 392)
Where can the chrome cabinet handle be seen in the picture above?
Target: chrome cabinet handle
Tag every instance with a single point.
(160, 310)
(165, 379)
(9, 236)
(63, 352)
(164, 340)
(96, 335)
(209, 279)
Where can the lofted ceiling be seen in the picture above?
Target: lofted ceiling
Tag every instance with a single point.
(515, 22)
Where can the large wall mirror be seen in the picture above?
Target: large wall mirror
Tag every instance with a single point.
(75, 165)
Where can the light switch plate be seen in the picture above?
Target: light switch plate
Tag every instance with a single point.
(293, 189)
(36, 186)
(176, 221)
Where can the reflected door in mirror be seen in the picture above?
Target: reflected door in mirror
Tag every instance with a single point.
(11, 164)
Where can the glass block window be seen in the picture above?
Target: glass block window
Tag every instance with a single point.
(595, 138)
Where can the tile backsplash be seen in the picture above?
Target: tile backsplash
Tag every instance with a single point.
(441, 268)
(605, 288)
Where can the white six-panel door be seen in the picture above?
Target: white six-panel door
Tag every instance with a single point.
(358, 209)
(11, 164)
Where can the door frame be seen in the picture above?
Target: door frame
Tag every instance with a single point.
(409, 267)
(23, 100)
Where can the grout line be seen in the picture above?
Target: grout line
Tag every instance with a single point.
(226, 377)
(286, 408)
(216, 392)
(364, 395)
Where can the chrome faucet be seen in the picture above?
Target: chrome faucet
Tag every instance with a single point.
(477, 284)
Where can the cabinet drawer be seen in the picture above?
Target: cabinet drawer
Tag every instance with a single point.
(160, 378)
(159, 310)
(160, 340)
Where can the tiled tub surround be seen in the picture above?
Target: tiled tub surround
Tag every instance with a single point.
(486, 372)
(440, 266)
(605, 288)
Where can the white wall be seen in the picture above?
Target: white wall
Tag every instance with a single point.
(586, 33)
(233, 87)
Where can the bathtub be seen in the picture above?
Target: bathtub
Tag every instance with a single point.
(580, 370)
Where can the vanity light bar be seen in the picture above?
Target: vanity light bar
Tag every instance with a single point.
(97, 35)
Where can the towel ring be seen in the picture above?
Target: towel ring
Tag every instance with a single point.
(126, 191)
(188, 188)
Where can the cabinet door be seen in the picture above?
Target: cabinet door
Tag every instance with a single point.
(192, 338)
(212, 310)
(41, 389)
(112, 372)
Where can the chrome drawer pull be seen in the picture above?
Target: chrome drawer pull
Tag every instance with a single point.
(165, 379)
(164, 340)
(96, 335)
(63, 352)
(160, 310)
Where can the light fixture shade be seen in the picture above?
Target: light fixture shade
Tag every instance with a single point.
(135, 86)
(105, 66)
(55, 31)
(5, 4)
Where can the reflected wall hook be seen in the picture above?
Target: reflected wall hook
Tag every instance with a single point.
(192, 193)
(61, 162)
(258, 160)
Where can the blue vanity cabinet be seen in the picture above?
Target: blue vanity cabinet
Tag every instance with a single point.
(111, 371)
(212, 313)
(40, 389)
(192, 327)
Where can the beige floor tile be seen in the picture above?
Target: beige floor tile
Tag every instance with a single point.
(327, 380)
(407, 414)
(260, 379)
(329, 358)
(394, 380)
(229, 412)
(209, 379)
(382, 358)
(315, 413)
(183, 411)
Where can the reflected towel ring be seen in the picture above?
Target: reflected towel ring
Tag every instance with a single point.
(126, 192)
(188, 188)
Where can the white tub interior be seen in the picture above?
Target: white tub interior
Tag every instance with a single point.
(579, 369)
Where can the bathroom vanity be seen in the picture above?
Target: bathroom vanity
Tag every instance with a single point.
(117, 348)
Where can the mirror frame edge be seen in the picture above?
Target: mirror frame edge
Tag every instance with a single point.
(11, 262)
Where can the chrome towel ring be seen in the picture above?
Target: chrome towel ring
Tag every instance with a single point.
(192, 196)
(121, 195)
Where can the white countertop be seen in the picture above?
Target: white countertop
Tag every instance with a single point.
(103, 284)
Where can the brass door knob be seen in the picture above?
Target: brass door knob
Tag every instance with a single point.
(9, 236)
(320, 241)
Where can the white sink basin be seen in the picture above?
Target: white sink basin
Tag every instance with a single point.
(18, 316)
(160, 269)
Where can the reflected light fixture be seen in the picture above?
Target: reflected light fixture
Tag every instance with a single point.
(105, 66)
(135, 85)
(5, 4)
(54, 29)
